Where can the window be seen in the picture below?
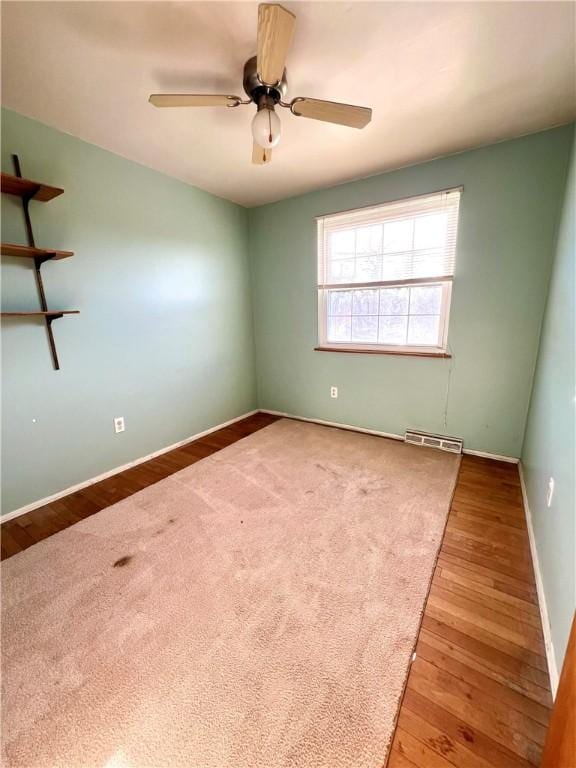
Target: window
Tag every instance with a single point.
(385, 275)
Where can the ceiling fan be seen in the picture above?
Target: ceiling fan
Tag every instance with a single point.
(265, 85)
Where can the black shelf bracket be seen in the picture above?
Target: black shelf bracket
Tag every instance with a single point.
(38, 261)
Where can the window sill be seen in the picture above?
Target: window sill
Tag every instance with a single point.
(402, 353)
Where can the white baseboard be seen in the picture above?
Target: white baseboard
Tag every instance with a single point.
(333, 424)
(550, 654)
(379, 433)
(116, 470)
(493, 456)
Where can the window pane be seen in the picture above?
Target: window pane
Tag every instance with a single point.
(426, 300)
(342, 271)
(339, 328)
(394, 301)
(369, 240)
(423, 330)
(342, 244)
(392, 330)
(365, 329)
(365, 302)
(430, 231)
(340, 303)
(368, 268)
(398, 235)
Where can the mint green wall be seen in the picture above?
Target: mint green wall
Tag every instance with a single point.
(164, 337)
(549, 449)
(161, 276)
(512, 193)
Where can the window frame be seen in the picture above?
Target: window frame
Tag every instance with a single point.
(323, 290)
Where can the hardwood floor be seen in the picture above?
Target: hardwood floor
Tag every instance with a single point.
(477, 695)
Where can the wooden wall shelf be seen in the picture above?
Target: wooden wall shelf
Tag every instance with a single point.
(54, 313)
(28, 190)
(25, 188)
(26, 251)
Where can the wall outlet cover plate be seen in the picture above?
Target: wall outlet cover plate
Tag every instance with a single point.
(119, 425)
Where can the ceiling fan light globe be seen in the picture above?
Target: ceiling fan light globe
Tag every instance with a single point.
(266, 128)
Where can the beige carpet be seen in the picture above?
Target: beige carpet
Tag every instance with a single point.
(257, 609)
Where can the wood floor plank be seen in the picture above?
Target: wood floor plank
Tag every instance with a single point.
(44, 522)
(417, 752)
(457, 620)
(21, 536)
(474, 492)
(515, 552)
(462, 732)
(503, 725)
(478, 693)
(55, 518)
(493, 608)
(474, 500)
(398, 760)
(520, 633)
(516, 522)
(81, 503)
(497, 689)
(512, 536)
(484, 649)
(456, 752)
(486, 555)
(495, 600)
(9, 546)
(506, 676)
(515, 586)
(453, 576)
(491, 494)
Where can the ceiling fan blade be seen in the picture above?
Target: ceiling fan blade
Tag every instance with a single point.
(260, 156)
(192, 100)
(275, 32)
(332, 112)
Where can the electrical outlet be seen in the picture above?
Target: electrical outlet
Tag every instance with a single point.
(334, 392)
(119, 425)
(550, 494)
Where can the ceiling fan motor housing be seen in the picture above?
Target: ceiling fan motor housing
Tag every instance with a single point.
(256, 89)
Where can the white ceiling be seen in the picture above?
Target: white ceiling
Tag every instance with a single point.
(440, 77)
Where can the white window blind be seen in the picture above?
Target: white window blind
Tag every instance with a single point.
(412, 239)
(385, 272)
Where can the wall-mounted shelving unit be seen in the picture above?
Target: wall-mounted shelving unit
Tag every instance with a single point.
(28, 190)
